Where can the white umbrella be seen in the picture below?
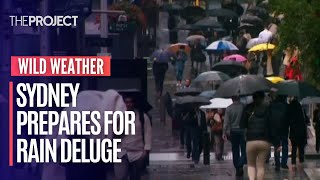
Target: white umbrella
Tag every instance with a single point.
(217, 103)
(222, 45)
(252, 42)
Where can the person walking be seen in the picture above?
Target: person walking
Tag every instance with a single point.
(159, 72)
(298, 130)
(182, 57)
(193, 135)
(197, 56)
(279, 118)
(134, 148)
(316, 121)
(259, 134)
(233, 132)
(216, 124)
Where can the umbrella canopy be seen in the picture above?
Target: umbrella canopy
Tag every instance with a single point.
(259, 11)
(162, 56)
(192, 11)
(192, 100)
(235, 57)
(310, 100)
(262, 47)
(211, 76)
(222, 13)
(141, 101)
(243, 85)
(275, 79)
(208, 22)
(218, 103)
(297, 89)
(196, 37)
(208, 94)
(230, 68)
(222, 45)
(246, 26)
(253, 42)
(174, 48)
(255, 20)
(188, 92)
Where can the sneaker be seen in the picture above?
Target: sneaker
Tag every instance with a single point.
(284, 167)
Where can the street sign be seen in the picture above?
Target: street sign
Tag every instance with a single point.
(99, 42)
(118, 27)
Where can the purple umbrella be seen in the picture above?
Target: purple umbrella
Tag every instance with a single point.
(162, 56)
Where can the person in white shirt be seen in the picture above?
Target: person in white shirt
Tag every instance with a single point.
(134, 148)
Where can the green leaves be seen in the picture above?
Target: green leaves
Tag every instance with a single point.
(301, 28)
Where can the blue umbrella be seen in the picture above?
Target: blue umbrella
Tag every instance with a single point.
(162, 56)
(222, 45)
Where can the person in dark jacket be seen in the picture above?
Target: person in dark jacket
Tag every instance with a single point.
(260, 135)
(197, 56)
(279, 118)
(298, 130)
(159, 72)
(316, 121)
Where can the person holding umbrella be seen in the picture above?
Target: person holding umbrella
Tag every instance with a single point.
(160, 59)
(279, 118)
(216, 124)
(298, 130)
(182, 57)
(233, 132)
(316, 121)
(259, 134)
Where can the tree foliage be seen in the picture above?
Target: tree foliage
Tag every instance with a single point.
(301, 28)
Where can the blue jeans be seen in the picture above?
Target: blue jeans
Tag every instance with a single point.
(238, 143)
(179, 70)
(284, 159)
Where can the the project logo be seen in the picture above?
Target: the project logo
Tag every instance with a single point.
(43, 21)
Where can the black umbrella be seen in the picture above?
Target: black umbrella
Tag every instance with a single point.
(193, 101)
(211, 76)
(231, 68)
(188, 91)
(222, 13)
(236, 7)
(257, 10)
(141, 101)
(191, 13)
(243, 85)
(297, 89)
(208, 94)
(208, 22)
(255, 20)
(246, 26)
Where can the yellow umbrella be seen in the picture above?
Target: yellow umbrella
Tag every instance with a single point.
(275, 79)
(262, 47)
(175, 47)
